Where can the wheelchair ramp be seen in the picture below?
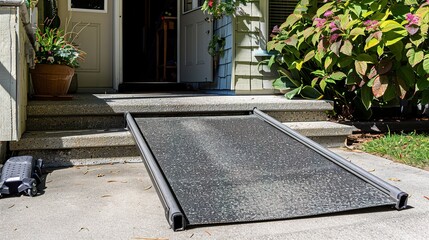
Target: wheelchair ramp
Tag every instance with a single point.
(229, 169)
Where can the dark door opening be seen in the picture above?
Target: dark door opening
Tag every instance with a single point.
(142, 21)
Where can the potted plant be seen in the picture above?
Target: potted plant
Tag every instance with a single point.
(56, 57)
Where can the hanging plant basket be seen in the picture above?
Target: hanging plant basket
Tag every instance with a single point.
(51, 80)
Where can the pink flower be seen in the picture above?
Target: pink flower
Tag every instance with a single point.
(276, 29)
(333, 26)
(328, 13)
(371, 24)
(210, 3)
(412, 19)
(334, 37)
(320, 22)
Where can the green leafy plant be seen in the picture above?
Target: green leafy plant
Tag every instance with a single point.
(216, 46)
(357, 53)
(220, 8)
(54, 46)
(31, 3)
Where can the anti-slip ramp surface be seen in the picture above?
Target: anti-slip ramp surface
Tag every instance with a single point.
(228, 169)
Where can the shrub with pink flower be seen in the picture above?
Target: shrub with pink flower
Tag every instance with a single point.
(355, 53)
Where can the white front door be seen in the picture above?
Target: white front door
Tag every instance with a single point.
(195, 35)
(95, 19)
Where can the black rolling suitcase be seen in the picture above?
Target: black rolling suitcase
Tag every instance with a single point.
(20, 175)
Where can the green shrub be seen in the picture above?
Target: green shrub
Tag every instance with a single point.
(357, 53)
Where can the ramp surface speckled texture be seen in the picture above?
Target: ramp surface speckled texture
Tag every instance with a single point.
(226, 169)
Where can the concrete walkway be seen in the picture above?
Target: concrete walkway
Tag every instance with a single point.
(118, 202)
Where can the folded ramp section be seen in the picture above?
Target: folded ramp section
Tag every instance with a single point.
(228, 169)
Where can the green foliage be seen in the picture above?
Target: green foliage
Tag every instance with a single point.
(53, 46)
(356, 53)
(220, 8)
(216, 46)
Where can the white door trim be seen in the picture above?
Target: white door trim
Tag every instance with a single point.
(117, 45)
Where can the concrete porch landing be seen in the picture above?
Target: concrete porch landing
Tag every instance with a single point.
(90, 129)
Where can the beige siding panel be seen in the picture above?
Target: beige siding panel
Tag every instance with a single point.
(244, 54)
(256, 83)
(243, 39)
(252, 8)
(249, 77)
(242, 69)
(248, 24)
(267, 84)
(242, 84)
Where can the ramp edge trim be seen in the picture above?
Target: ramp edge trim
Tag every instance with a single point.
(394, 192)
(173, 213)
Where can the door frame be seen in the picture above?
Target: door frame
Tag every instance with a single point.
(118, 74)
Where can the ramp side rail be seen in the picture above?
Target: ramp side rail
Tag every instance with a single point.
(173, 213)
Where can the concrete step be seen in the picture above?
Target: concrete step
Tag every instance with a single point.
(89, 147)
(103, 111)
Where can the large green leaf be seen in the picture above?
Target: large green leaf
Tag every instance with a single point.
(289, 75)
(392, 37)
(366, 97)
(309, 55)
(361, 67)
(347, 48)
(308, 32)
(322, 85)
(426, 65)
(397, 49)
(345, 62)
(352, 79)
(422, 84)
(337, 76)
(425, 97)
(390, 93)
(356, 32)
(406, 73)
(365, 58)
(310, 93)
(324, 8)
(290, 20)
(391, 25)
(414, 57)
(371, 43)
(291, 94)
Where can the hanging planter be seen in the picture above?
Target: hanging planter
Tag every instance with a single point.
(220, 8)
(216, 49)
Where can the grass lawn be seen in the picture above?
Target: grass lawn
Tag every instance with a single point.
(411, 148)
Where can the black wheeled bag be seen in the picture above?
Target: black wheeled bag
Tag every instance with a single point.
(20, 175)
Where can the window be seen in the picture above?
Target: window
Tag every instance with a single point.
(88, 5)
(189, 5)
(279, 10)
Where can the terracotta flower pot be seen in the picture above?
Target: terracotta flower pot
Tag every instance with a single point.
(51, 80)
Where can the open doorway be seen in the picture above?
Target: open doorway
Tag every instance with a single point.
(143, 38)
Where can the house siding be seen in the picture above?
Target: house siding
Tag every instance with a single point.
(14, 77)
(250, 39)
(245, 37)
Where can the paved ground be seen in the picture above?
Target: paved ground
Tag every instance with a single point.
(119, 202)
